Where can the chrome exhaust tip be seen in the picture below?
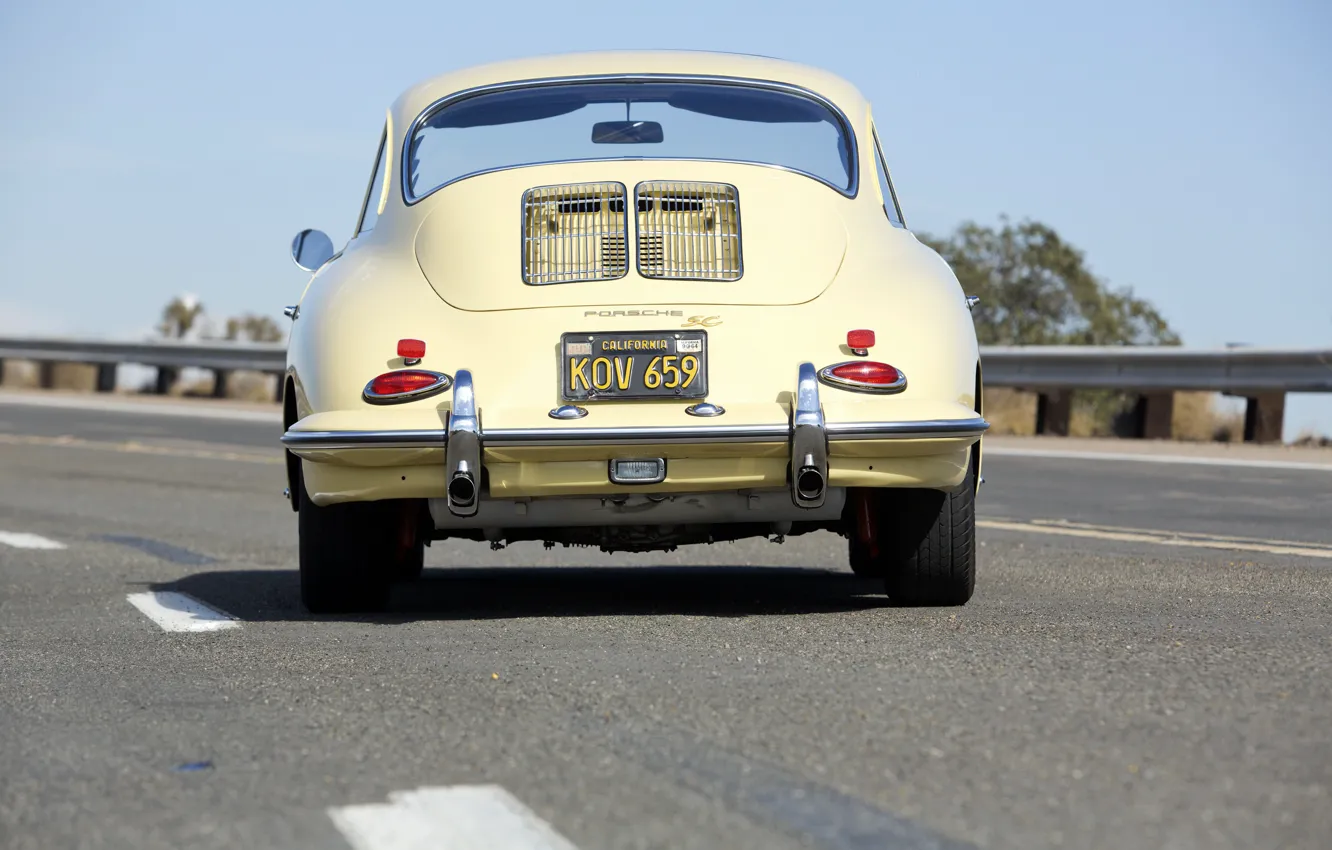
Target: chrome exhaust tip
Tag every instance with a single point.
(810, 483)
(462, 487)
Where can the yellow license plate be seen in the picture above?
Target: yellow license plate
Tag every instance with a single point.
(633, 365)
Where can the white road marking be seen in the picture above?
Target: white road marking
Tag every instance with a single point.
(459, 817)
(21, 540)
(1060, 454)
(195, 410)
(1160, 537)
(132, 447)
(180, 612)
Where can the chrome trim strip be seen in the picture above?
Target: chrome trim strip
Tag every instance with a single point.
(921, 430)
(827, 377)
(666, 435)
(365, 439)
(850, 191)
(442, 383)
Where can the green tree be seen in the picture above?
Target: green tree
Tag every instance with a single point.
(253, 328)
(1036, 289)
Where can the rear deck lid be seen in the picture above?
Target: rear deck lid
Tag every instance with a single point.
(696, 233)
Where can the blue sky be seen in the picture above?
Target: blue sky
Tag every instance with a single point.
(153, 148)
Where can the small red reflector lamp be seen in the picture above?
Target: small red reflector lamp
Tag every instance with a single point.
(412, 349)
(408, 381)
(860, 339)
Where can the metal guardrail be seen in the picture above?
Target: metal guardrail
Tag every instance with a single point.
(1263, 375)
(1239, 371)
(218, 356)
(1140, 368)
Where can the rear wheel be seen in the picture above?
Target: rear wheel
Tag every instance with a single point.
(926, 544)
(347, 555)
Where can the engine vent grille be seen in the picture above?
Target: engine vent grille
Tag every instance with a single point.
(574, 233)
(688, 231)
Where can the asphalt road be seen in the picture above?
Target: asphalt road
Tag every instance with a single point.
(1145, 664)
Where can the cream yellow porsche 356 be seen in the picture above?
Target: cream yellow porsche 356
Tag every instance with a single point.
(631, 300)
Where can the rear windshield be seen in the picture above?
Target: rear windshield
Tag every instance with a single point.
(636, 120)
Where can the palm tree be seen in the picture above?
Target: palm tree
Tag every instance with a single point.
(179, 316)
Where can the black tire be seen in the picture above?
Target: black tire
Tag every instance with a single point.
(927, 542)
(346, 556)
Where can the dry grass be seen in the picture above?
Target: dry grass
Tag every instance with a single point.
(246, 386)
(1195, 418)
(25, 374)
(1010, 411)
(80, 377)
(19, 373)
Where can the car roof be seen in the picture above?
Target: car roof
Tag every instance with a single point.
(684, 62)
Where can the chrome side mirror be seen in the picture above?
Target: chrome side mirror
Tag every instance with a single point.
(311, 249)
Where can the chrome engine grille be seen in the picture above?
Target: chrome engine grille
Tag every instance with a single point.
(574, 233)
(688, 231)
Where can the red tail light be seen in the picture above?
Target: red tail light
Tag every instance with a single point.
(865, 376)
(860, 340)
(406, 385)
(412, 349)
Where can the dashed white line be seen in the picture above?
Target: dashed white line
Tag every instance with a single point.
(180, 612)
(21, 540)
(1061, 454)
(459, 817)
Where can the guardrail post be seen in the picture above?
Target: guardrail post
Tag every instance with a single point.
(220, 383)
(166, 378)
(1155, 412)
(1052, 412)
(1264, 417)
(46, 374)
(106, 377)
(2, 371)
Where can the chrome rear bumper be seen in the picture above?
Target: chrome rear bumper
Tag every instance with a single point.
(807, 432)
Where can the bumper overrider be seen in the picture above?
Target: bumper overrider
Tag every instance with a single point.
(807, 433)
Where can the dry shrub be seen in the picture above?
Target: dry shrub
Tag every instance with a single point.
(1197, 419)
(245, 386)
(64, 376)
(1010, 411)
(75, 376)
(1196, 416)
(1313, 440)
(1085, 421)
(193, 387)
(19, 373)
(251, 386)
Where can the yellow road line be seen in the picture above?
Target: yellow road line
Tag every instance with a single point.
(136, 448)
(1065, 523)
(1157, 537)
